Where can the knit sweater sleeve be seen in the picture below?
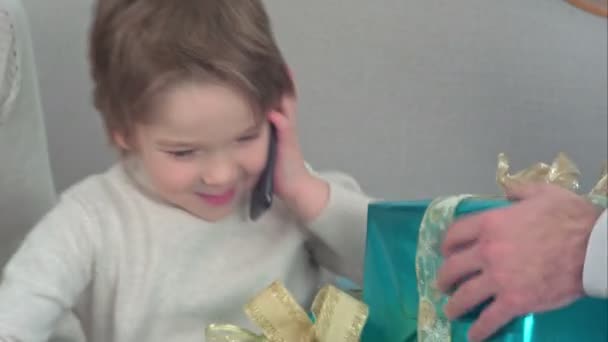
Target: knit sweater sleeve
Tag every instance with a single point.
(47, 274)
(340, 230)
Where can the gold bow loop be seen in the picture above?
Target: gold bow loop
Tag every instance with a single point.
(562, 172)
(601, 188)
(338, 317)
(231, 333)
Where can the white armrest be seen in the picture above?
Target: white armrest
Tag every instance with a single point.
(9, 65)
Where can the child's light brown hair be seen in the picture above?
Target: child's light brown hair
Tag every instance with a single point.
(138, 48)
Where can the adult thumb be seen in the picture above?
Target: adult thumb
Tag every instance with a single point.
(521, 191)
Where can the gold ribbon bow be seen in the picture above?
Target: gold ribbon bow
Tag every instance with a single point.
(562, 172)
(339, 317)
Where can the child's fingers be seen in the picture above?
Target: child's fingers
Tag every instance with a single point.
(283, 118)
(278, 120)
(283, 126)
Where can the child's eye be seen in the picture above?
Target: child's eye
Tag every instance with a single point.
(250, 137)
(181, 154)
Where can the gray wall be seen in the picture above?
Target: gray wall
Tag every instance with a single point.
(413, 97)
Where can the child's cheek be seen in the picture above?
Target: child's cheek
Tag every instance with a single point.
(173, 175)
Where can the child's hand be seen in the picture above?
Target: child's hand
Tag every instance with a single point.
(306, 194)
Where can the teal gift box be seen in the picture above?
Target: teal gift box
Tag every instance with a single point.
(391, 288)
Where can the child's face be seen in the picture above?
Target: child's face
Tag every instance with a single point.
(205, 151)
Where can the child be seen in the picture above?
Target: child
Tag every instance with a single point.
(161, 245)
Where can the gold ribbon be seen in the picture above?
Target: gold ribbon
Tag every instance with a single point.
(562, 172)
(338, 316)
(601, 188)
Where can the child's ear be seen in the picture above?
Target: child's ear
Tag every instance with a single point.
(121, 140)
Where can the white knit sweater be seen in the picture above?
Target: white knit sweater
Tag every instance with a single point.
(135, 269)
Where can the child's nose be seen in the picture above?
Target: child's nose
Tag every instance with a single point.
(219, 173)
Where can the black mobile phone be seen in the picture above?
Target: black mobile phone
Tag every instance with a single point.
(261, 197)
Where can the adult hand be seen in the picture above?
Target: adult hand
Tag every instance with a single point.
(527, 257)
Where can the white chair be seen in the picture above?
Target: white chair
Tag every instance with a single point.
(26, 186)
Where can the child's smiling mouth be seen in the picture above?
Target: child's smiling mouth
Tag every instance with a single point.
(219, 199)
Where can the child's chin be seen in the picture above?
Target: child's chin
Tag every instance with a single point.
(214, 214)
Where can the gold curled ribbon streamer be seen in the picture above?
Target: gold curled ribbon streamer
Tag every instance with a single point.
(339, 317)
